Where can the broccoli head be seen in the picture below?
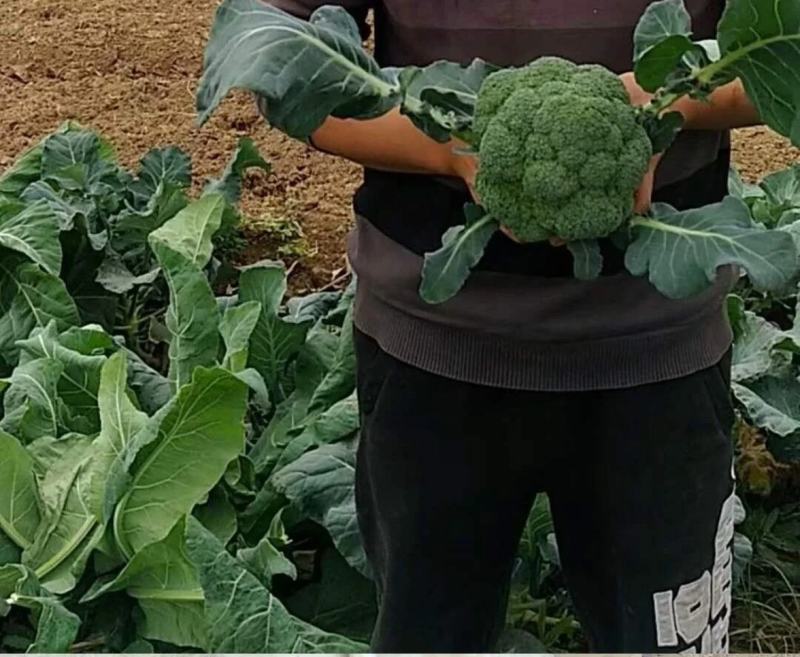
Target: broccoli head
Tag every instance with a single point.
(561, 152)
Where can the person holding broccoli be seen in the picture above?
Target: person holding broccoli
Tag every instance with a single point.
(604, 394)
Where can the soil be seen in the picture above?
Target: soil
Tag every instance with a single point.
(129, 70)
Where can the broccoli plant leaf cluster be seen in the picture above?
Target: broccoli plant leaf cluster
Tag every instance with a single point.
(134, 453)
(539, 173)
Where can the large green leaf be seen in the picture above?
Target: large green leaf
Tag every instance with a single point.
(192, 316)
(681, 251)
(164, 583)
(69, 530)
(236, 327)
(80, 376)
(198, 435)
(161, 166)
(340, 379)
(189, 232)
(305, 71)
(22, 173)
(33, 232)
(30, 297)
(78, 161)
(339, 421)
(753, 348)
(69, 210)
(321, 484)
(242, 616)
(32, 403)
(663, 48)
(772, 403)
(276, 340)
(229, 185)
(56, 626)
(446, 270)
(660, 20)
(758, 42)
(120, 421)
(19, 509)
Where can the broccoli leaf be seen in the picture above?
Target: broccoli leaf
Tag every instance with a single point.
(445, 271)
(753, 348)
(772, 403)
(164, 583)
(587, 259)
(321, 485)
(164, 165)
(681, 251)
(193, 439)
(229, 185)
(276, 340)
(440, 98)
(30, 297)
(56, 626)
(758, 41)
(32, 231)
(303, 70)
(661, 20)
(19, 510)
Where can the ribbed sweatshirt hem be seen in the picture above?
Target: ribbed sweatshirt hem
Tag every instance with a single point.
(498, 361)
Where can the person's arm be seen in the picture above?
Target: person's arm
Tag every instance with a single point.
(727, 107)
(390, 142)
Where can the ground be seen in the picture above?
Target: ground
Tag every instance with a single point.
(129, 70)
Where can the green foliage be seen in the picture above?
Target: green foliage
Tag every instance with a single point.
(132, 469)
(561, 148)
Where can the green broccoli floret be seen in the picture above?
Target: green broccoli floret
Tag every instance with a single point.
(561, 152)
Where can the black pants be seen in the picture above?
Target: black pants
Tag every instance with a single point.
(640, 483)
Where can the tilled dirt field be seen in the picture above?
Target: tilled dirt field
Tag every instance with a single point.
(129, 70)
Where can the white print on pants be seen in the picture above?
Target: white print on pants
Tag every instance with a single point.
(697, 615)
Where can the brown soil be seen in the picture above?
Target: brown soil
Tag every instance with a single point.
(129, 70)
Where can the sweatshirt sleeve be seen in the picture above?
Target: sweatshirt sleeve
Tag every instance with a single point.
(304, 8)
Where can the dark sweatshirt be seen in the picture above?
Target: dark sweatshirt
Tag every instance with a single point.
(522, 321)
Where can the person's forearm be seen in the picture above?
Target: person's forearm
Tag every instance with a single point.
(390, 142)
(728, 107)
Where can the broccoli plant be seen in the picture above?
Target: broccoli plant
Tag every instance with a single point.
(561, 148)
